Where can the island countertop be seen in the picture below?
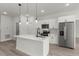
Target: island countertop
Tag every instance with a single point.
(32, 37)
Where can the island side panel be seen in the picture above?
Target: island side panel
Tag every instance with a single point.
(46, 46)
(31, 47)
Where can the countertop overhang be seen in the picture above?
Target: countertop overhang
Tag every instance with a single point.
(33, 37)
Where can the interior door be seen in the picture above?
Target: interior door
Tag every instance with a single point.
(70, 35)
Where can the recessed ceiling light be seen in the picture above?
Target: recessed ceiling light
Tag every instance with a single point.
(67, 4)
(4, 12)
(42, 11)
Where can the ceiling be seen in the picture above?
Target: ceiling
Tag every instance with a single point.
(50, 8)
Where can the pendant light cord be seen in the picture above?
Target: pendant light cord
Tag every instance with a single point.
(36, 12)
(27, 10)
(19, 11)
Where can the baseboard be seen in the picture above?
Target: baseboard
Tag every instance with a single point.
(53, 44)
(77, 37)
(6, 40)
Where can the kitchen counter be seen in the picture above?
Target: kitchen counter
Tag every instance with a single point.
(32, 45)
(32, 37)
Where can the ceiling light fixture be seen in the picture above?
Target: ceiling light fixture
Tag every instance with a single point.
(4, 12)
(19, 13)
(42, 11)
(67, 4)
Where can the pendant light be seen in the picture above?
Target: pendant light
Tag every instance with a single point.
(36, 18)
(19, 13)
(27, 16)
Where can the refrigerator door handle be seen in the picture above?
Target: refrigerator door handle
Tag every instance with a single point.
(65, 32)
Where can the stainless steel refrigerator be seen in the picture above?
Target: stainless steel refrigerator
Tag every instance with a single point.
(66, 34)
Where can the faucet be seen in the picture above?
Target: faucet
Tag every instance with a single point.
(38, 32)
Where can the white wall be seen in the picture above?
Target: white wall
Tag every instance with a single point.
(77, 28)
(6, 27)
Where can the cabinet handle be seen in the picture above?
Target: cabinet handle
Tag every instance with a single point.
(65, 32)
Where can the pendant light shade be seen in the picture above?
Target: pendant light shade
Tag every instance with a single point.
(27, 15)
(27, 20)
(36, 20)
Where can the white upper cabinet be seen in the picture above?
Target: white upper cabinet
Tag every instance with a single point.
(66, 19)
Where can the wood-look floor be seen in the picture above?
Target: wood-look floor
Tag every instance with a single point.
(61, 51)
(8, 48)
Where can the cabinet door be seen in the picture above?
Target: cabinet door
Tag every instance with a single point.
(70, 35)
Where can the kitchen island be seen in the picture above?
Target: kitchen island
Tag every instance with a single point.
(32, 45)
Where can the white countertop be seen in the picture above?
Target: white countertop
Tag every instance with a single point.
(32, 37)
